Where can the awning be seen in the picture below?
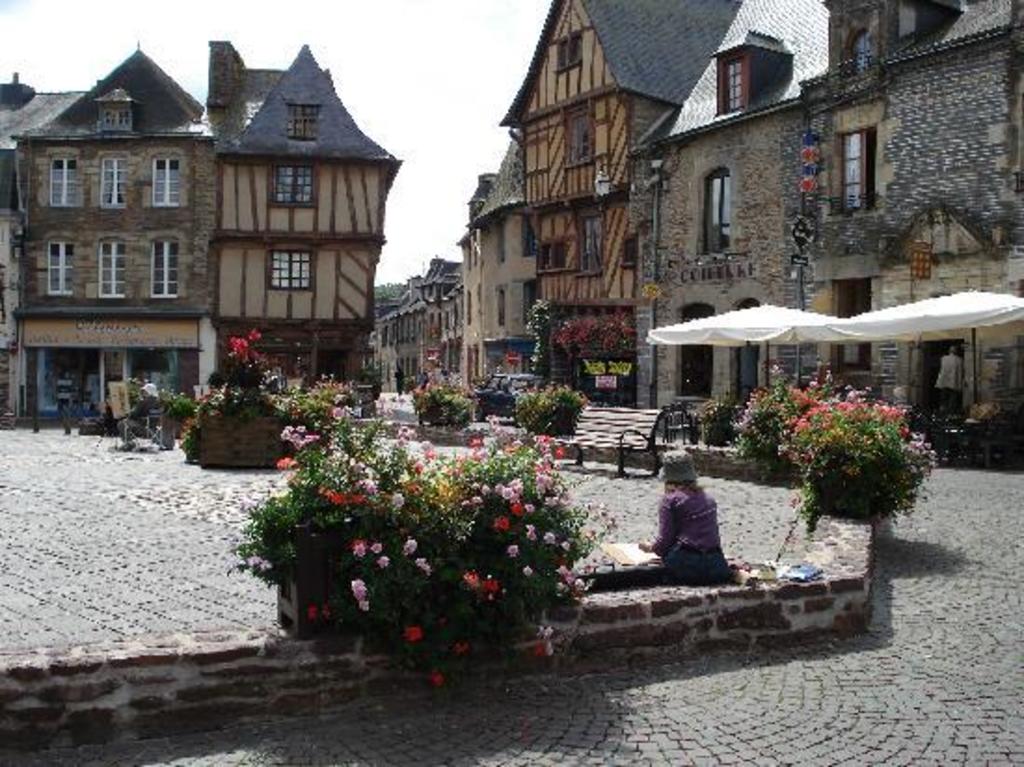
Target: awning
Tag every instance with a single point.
(759, 324)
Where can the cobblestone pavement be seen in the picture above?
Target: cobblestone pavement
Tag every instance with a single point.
(938, 680)
(97, 544)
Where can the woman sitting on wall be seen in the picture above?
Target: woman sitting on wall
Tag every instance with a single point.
(688, 541)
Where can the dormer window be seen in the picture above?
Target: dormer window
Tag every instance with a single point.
(303, 121)
(117, 118)
(570, 51)
(861, 52)
(733, 84)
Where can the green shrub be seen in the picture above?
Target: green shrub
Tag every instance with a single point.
(443, 405)
(178, 407)
(443, 559)
(553, 411)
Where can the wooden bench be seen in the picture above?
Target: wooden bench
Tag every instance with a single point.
(618, 428)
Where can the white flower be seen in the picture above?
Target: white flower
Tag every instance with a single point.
(527, 571)
(410, 547)
(398, 500)
(383, 562)
(513, 551)
(550, 539)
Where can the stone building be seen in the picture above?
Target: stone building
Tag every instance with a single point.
(118, 195)
(301, 195)
(412, 336)
(21, 110)
(603, 71)
(918, 126)
(717, 192)
(499, 266)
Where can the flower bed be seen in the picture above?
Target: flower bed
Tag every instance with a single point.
(443, 405)
(552, 412)
(433, 559)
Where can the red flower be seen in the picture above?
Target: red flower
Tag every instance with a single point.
(255, 335)
(471, 579)
(325, 612)
(287, 463)
(461, 648)
(412, 634)
(491, 586)
(501, 524)
(436, 678)
(540, 650)
(559, 452)
(476, 442)
(517, 509)
(312, 613)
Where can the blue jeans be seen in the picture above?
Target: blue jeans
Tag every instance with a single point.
(697, 568)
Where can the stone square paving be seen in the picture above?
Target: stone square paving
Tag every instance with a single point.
(938, 680)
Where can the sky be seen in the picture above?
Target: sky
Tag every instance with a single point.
(429, 80)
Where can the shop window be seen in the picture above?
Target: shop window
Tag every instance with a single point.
(165, 269)
(289, 270)
(64, 189)
(166, 182)
(113, 182)
(858, 170)
(112, 269)
(60, 266)
(590, 257)
(853, 297)
(293, 184)
(717, 211)
(580, 134)
(158, 366)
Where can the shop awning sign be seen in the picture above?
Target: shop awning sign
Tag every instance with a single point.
(112, 333)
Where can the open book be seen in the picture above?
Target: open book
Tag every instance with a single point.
(629, 554)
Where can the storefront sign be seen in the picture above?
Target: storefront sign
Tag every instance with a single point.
(112, 333)
(607, 367)
(606, 382)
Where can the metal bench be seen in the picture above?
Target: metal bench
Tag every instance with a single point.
(621, 429)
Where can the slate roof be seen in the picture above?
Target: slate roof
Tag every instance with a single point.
(235, 118)
(8, 200)
(977, 18)
(161, 105)
(655, 48)
(507, 189)
(799, 27)
(40, 110)
(304, 82)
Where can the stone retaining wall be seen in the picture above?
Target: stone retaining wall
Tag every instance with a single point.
(158, 686)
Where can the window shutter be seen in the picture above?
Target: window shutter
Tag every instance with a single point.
(870, 160)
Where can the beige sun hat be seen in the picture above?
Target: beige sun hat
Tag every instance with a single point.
(677, 466)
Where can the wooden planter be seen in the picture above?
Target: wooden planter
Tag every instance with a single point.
(254, 443)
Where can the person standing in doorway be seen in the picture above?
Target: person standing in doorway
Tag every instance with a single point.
(65, 395)
(950, 382)
(399, 380)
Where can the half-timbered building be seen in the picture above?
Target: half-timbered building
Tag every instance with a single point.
(602, 73)
(301, 194)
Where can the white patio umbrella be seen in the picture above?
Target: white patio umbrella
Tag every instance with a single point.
(759, 324)
(936, 319)
(765, 324)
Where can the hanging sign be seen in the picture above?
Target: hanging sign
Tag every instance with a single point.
(810, 157)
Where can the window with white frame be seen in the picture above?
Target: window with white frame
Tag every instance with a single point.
(63, 182)
(59, 268)
(112, 187)
(166, 182)
(112, 269)
(289, 270)
(165, 269)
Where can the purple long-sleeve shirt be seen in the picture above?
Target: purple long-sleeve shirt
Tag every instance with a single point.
(687, 518)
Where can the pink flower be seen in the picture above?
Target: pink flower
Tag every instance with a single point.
(383, 562)
(566, 545)
(424, 565)
(377, 547)
(364, 605)
(410, 547)
(529, 508)
(398, 500)
(531, 533)
(359, 549)
(359, 590)
(513, 551)
(550, 539)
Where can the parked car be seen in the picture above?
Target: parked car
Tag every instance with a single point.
(499, 393)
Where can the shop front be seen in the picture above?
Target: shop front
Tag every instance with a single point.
(72, 361)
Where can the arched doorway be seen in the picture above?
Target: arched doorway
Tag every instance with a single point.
(748, 360)
(696, 363)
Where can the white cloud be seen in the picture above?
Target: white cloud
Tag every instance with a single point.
(428, 79)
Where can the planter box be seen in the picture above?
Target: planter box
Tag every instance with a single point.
(254, 443)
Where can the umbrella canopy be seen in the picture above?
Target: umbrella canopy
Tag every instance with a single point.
(759, 324)
(932, 318)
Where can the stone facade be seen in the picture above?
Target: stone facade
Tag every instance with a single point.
(945, 122)
(760, 155)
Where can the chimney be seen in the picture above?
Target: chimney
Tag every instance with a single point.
(484, 184)
(225, 74)
(15, 94)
